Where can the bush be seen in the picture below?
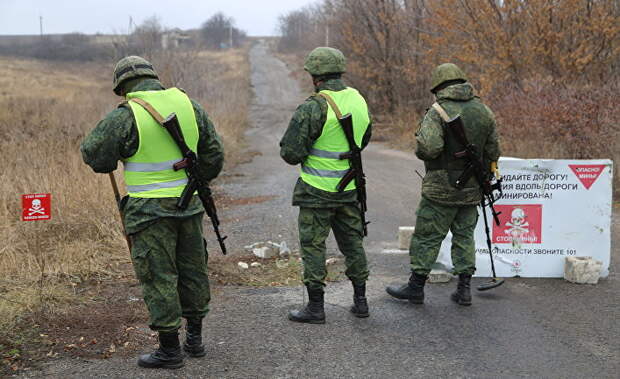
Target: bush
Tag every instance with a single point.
(550, 121)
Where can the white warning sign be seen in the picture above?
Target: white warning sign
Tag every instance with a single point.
(551, 209)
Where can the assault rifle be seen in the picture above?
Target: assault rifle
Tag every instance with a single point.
(356, 172)
(194, 183)
(476, 168)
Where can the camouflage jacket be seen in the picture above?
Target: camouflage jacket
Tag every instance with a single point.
(116, 138)
(480, 128)
(305, 128)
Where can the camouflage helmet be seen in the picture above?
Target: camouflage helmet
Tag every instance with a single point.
(325, 60)
(444, 73)
(130, 68)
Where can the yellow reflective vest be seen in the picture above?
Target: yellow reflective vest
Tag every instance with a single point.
(323, 168)
(149, 172)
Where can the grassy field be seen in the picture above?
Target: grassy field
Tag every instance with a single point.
(45, 111)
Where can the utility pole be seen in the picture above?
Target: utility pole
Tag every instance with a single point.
(130, 25)
(41, 26)
(327, 35)
(230, 36)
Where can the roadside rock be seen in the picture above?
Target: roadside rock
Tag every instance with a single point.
(264, 252)
(331, 261)
(284, 252)
(582, 270)
(256, 264)
(243, 265)
(269, 249)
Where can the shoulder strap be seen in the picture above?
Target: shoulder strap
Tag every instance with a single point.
(149, 108)
(331, 103)
(441, 111)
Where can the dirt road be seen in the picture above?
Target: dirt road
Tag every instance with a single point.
(527, 328)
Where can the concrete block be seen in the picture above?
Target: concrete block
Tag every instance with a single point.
(439, 276)
(404, 236)
(582, 270)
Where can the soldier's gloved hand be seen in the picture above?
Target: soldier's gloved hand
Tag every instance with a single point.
(495, 170)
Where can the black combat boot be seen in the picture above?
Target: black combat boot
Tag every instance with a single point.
(193, 338)
(412, 291)
(313, 313)
(360, 305)
(168, 355)
(462, 296)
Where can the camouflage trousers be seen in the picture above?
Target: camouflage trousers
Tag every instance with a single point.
(170, 261)
(433, 222)
(314, 227)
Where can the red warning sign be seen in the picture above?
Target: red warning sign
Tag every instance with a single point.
(36, 207)
(587, 174)
(519, 224)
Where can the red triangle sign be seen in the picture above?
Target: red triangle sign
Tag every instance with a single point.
(587, 173)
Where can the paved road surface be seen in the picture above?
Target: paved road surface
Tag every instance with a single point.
(527, 328)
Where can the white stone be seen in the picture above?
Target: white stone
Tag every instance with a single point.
(404, 236)
(256, 264)
(264, 252)
(331, 261)
(243, 265)
(254, 245)
(284, 251)
(582, 270)
(267, 249)
(439, 276)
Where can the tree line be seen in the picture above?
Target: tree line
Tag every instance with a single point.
(147, 38)
(549, 68)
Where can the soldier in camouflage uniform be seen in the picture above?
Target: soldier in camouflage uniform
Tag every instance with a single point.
(443, 207)
(315, 140)
(168, 253)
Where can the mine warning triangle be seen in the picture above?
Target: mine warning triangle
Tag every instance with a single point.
(587, 174)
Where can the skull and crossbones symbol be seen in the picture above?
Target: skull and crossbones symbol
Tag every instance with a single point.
(36, 208)
(518, 226)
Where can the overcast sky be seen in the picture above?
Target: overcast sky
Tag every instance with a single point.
(257, 17)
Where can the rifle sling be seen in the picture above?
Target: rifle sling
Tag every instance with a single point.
(344, 182)
(332, 104)
(149, 108)
(442, 112)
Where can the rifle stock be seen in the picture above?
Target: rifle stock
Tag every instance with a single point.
(117, 196)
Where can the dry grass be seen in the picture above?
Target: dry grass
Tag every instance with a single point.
(45, 111)
(270, 272)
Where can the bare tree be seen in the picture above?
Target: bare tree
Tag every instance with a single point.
(146, 38)
(219, 31)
